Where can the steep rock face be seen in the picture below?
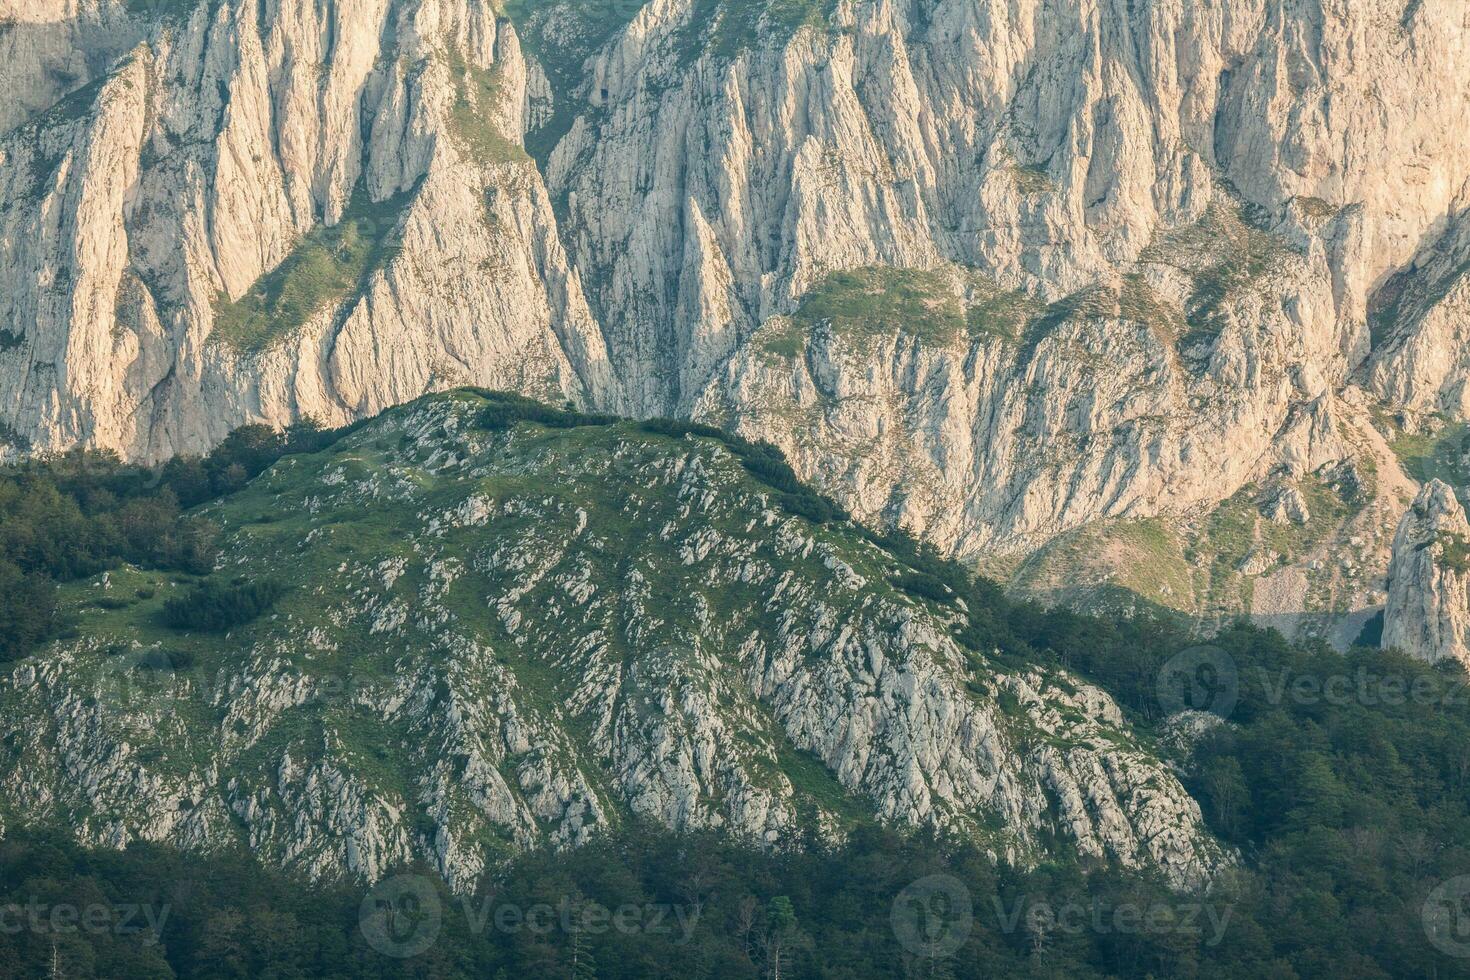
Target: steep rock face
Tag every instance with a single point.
(1224, 176)
(1428, 611)
(1047, 145)
(1423, 360)
(146, 212)
(997, 442)
(49, 48)
(500, 638)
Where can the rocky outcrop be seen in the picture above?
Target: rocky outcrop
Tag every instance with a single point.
(1423, 314)
(1428, 610)
(51, 48)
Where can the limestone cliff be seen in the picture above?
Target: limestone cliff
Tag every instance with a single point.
(1428, 611)
(145, 215)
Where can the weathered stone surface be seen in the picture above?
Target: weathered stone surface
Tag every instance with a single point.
(1428, 610)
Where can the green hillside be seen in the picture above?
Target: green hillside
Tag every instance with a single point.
(477, 624)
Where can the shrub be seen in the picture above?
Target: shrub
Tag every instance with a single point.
(923, 585)
(506, 410)
(27, 611)
(678, 429)
(215, 608)
(1371, 635)
(166, 660)
(813, 506)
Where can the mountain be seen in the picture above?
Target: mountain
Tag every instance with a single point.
(454, 634)
(1081, 293)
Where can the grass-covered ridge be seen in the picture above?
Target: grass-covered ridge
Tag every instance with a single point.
(880, 299)
(936, 306)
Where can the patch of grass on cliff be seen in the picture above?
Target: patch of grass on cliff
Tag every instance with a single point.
(811, 778)
(1237, 528)
(743, 24)
(1407, 295)
(991, 310)
(1315, 207)
(1134, 300)
(1429, 455)
(477, 93)
(880, 299)
(1143, 557)
(1223, 252)
(328, 267)
(581, 27)
(1033, 179)
(781, 336)
(1138, 302)
(1003, 314)
(1454, 552)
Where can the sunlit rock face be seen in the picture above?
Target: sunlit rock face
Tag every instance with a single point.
(1428, 611)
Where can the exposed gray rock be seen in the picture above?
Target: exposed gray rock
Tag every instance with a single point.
(495, 640)
(1290, 507)
(1428, 608)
